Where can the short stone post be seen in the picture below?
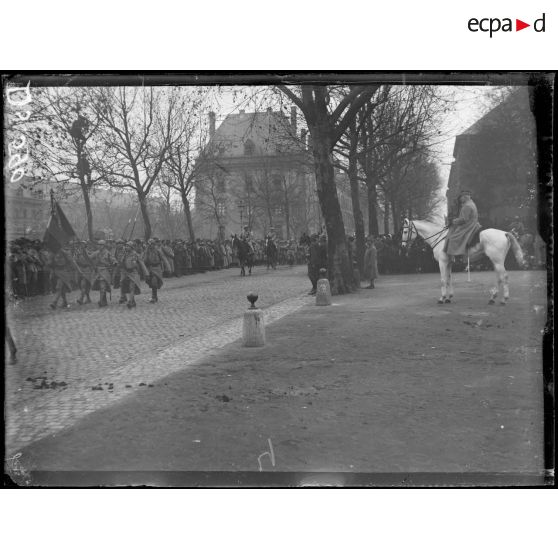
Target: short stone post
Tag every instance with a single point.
(253, 327)
(323, 292)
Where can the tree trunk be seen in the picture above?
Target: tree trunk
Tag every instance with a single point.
(357, 212)
(395, 217)
(339, 268)
(85, 188)
(372, 196)
(188, 214)
(145, 215)
(386, 217)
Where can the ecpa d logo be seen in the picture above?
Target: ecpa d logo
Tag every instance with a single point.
(492, 25)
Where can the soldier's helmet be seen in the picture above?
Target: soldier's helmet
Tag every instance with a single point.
(120, 241)
(129, 243)
(101, 243)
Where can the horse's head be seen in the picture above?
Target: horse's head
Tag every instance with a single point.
(408, 234)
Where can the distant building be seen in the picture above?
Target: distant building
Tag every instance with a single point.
(496, 158)
(26, 207)
(115, 213)
(257, 170)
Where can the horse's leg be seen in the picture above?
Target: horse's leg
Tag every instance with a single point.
(449, 282)
(443, 280)
(502, 276)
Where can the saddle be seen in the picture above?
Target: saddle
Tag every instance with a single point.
(474, 239)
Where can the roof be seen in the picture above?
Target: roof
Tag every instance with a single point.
(267, 133)
(517, 102)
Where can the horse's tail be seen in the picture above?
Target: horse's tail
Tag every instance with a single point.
(517, 251)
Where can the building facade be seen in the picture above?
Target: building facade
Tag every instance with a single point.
(496, 159)
(257, 170)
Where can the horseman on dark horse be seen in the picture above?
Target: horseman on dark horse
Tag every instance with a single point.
(271, 251)
(245, 251)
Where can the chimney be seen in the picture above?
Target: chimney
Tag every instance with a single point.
(303, 133)
(269, 111)
(211, 124)
(293, 120)
(241, 111)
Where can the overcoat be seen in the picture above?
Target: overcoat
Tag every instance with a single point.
(370, 263)
(129, 269)
(154, 261)
(103, 261)
(63, 269)
(462, 228)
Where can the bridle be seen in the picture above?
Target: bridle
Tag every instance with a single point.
(411, 227)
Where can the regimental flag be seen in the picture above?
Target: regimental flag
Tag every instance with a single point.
(59, 231)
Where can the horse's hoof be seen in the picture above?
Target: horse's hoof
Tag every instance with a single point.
(447, 301)
(491, 301)
(440, 302)
(502, 303)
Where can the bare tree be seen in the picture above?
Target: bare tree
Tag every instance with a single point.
(137, 133)
(180, 168)
(400, 128)
(329, 111)
(62, 132)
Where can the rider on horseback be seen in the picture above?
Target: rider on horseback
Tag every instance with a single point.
(462, 229)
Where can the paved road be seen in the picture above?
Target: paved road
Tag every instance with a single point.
(64, 355)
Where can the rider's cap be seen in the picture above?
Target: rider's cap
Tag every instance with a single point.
(465, 193)
(101, 242)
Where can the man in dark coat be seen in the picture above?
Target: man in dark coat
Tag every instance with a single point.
(313, 263)
(463, 227)
(153, 259)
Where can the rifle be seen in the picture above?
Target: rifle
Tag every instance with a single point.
(134, 225)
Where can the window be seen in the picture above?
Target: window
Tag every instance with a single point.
(221, 208)
(249, 148)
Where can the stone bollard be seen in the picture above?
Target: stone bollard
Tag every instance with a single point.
(323, 292)
(253, 327)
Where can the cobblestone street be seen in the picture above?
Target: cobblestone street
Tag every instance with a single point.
(72, 362)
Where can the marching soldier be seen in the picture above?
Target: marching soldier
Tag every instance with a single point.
(103, 262)
(129, 266)
(64, 271)
(117, 275)
(154, 261)
(86, 270)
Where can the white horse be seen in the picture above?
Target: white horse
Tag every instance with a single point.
(493, 243)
